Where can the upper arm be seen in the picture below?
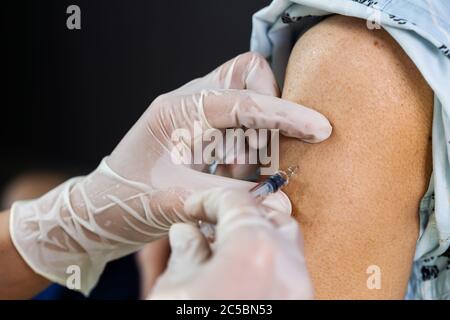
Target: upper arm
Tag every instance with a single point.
(357, 194)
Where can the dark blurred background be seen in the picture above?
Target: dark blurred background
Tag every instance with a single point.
(68, 96)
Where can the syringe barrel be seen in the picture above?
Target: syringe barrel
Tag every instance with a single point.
(268, 186)
(259, 192)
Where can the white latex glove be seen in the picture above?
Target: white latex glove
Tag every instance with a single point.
(258, 253)
(137, 193)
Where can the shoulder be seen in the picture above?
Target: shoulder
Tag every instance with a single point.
(358, 193)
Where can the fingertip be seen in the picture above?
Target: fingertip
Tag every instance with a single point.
(292, 119)
(318, 132)
(278, 202)
(308, 124)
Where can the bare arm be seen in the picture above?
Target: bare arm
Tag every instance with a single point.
(358, 193)
(17, 280)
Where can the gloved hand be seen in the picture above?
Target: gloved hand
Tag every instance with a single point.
(137, 192)
(258, 253)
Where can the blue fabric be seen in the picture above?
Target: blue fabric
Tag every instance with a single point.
(422, 29)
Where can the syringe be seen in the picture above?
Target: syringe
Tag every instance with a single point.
(273, 183)
(270, 185)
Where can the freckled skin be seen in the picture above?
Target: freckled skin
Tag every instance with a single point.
(357, 194)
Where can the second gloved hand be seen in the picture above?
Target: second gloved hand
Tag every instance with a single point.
(258, 253)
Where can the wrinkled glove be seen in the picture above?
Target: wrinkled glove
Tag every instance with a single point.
(137, 192)
(258, 253)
